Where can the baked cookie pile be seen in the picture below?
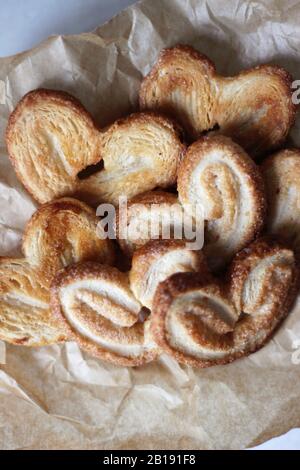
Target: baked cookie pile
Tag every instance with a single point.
(198, 139)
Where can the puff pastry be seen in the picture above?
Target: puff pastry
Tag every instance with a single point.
(50, 138)
(192, 315)
(156, 261)
(96, 308)
(63, 232)
(52, 141)
(217, 174)
(262, 277)
(140, 152)
(58, 234)
(25, 316)
(254, 108)
(282, 180)
(202, 323)
(153, 207)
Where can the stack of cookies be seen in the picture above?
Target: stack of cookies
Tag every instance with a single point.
(198, 140)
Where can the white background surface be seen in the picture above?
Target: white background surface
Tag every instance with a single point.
(24, 23)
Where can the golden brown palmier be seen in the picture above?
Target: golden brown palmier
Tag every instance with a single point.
(54, 145)
(191, 316)
(96, 308)
(255, 107)
(202, 323)
(262, 278)
(218, 175)
(58, 234)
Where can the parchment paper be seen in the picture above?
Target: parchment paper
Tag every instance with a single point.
(59, 397)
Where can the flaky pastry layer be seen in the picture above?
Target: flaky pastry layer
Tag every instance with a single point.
(202, 323)
(58, 234)
(255, 107)
(219, 176)
(96, 308)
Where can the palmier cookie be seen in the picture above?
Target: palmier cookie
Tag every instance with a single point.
(57, 150)
(58, 234)
(255, 107)
(96, 308)
(218, 175)
(203, 324)
(157, 260)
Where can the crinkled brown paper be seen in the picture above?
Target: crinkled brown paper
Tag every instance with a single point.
(59, 397)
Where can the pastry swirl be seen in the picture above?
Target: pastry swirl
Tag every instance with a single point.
(57, 150)
(181, 83)
(217, 174)
(255, 108)
(96, 308)
(25, 316)
(202, 323)
(281, 173)
(156, 261)
(64, 232)
(59, 233)
(262, 278)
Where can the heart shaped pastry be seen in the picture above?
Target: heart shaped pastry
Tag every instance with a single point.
(255, 108)
(55, 147)
(203, 323)
(281, 173)
(59, 233)
(219, 176)
(95, 307)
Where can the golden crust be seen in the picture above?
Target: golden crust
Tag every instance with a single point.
(218, 175)
(63, 232)
(200, 324)
(80, 295)
(25, 316)
(50, 138)
(166, 88)
(261, 259)
(157, 260)
(254, 107)
(263, 285)
(281, 172)
(141, 211)
(140, 152)
(58, 234)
